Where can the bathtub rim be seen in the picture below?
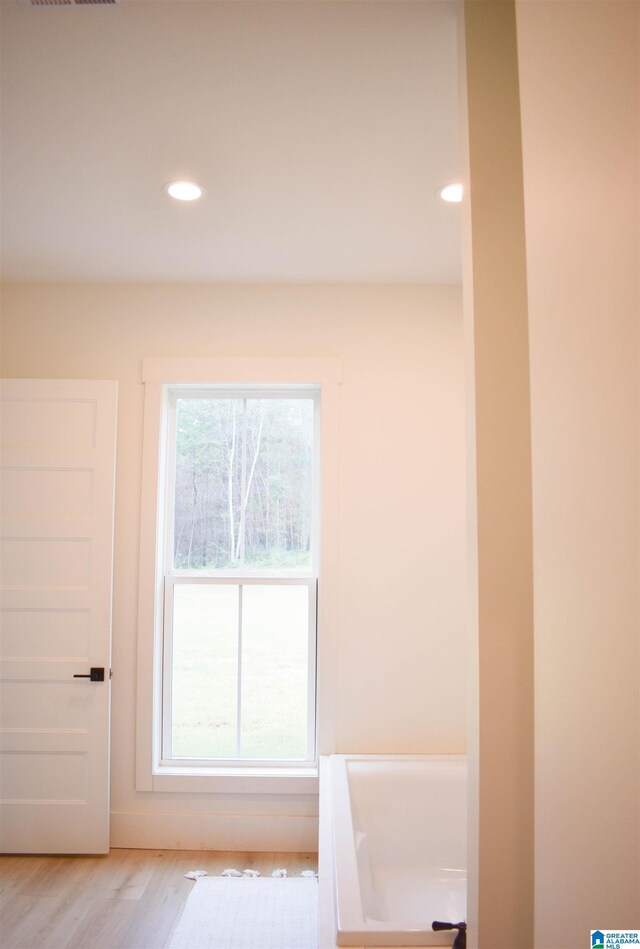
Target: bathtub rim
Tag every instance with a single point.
(350, 920)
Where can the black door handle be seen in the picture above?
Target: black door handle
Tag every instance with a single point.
(96, 674)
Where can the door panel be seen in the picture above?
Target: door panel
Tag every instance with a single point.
(56, 544)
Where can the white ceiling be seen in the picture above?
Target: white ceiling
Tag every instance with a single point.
(320, 129)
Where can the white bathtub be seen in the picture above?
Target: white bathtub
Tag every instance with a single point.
(399, 837)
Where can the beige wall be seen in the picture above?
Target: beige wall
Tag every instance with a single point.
(499, 485)
(580, 112)
(400, 680)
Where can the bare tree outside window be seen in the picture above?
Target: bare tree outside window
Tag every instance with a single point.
(243, 483)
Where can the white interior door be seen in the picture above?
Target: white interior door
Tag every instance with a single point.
(56, 547)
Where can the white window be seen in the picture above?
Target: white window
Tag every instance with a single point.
(233, 574)
(239, 519)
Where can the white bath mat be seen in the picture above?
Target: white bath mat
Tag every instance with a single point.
(249, 913)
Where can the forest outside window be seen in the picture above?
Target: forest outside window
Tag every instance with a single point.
(240, 576)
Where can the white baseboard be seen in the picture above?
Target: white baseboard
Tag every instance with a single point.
(245, 832)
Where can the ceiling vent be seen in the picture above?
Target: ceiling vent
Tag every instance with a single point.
(71, 3)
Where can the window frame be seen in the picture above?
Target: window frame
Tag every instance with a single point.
(310, 761)
(324, 374)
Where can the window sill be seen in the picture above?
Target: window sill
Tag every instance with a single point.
(236, 780)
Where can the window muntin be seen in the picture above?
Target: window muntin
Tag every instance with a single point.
(239, 654)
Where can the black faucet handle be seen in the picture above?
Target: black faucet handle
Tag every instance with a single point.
(460, 942)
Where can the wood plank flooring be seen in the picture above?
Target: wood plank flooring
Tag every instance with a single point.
(128, 899)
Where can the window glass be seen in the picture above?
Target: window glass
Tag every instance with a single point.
(278, 510)
(239, 624)
(243, 483)
(207, 483)
(275, 635)
(204, 670)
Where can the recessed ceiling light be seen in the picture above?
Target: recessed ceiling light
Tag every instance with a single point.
(184, 190)
(451, 193)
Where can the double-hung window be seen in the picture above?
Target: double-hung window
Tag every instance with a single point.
(240, 562)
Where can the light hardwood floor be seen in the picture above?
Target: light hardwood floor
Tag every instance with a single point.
(128, 899)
